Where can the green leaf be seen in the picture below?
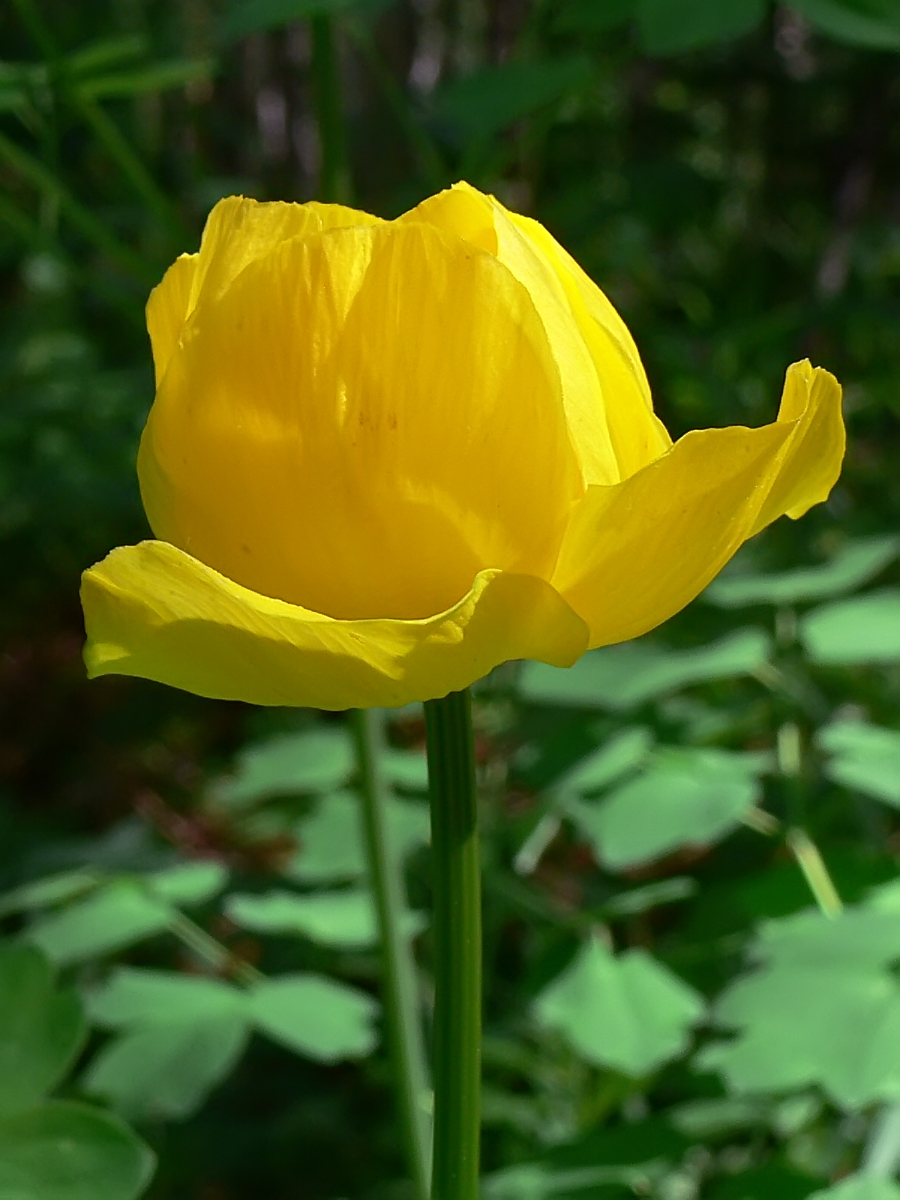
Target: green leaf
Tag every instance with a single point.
(671, 26)
(136, 996)
(483, 104)
(315, 1016)
(587, 16)
(189, 883)
(41, 1029)
(865, 629)
(855, 565)
(860, 1187)
(630, 1013)
(167, 1069)
(49, 891)
(346, 920)
(685, 797)
(106, 52)
(64, 1151)
(865, 758)
(315, 761)
(823, 1009)
(116, 916)
(406, 769)
(139, 81)
(331, 840)
(624, 751)
(873, 23)
(254, 16)
(622, 677)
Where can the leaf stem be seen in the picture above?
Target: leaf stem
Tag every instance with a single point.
(456, 882)
(811, 863)
(401, 1000)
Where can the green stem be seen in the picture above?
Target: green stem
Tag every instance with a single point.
(334, 176)
(401, 1002)
(812, 865)
(456, 882)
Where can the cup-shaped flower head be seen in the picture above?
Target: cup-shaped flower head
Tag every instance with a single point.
(386, 456)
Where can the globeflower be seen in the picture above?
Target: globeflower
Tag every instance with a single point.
(386, 456)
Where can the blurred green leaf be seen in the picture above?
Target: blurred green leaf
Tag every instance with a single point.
(860, 1187)
(538, 1181)
(254, 16)
(49, 891)
(315, 1016)
(822, 1009)
(864, 758)
(630, 1012)
(685, 797)
(189, 883)
(137, 996)
(481, 105)
(874, 23)
(406, 769)
(587, 16)
(865, 629)
(314, 761)
(671, 26)
(65, 1151)
(331, 841)
(138, 81)
(166, 1069)
(106, 52)
(344, 919)
(622, 677)
(41, 1028)
(856, 564)
(625, 750)
(116, 916)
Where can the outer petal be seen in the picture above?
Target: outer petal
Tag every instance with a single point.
(608, 406)
(153, 611)
(237, 232)
(362, 422)
(636, 553)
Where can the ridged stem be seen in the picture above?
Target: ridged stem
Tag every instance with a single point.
(398, 972)
(456, 881)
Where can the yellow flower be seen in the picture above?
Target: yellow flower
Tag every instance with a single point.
(385, 456)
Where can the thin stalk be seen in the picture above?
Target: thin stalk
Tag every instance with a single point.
(456, 882)
(398, 972)
(811, 863)
(205, 946)
(334, 174)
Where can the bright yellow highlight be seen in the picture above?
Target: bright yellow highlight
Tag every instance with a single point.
(385, 457)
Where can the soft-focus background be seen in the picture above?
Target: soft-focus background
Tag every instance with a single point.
(730, 174)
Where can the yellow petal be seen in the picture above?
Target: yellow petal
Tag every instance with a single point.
(237, 232)
(637, 552)
(607, 398)
(362, 422)
(155, 612)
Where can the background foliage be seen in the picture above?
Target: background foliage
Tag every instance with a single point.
(692, 906)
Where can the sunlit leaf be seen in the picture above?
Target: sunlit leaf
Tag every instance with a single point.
(684, 797)
(315, 1016)
(49, 891)
(865, 758)
(189, 883)
(294, 763)
(865, 629)
(622, 677)
(137, 996)
(624, 751)
(41, 1028)
(344, 919)
(65, 1151)
(628, 1012)
(860, 1187)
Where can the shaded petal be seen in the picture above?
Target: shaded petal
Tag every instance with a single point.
(362, 422)
(237, 232)
(608, 406)
(637, 552)
(155, 612)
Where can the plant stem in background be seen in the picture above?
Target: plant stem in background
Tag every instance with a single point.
(456, 882)
(401, 1001)
(334, 172)
(811, 863)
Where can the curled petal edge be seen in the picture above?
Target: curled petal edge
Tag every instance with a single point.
(155, 612)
